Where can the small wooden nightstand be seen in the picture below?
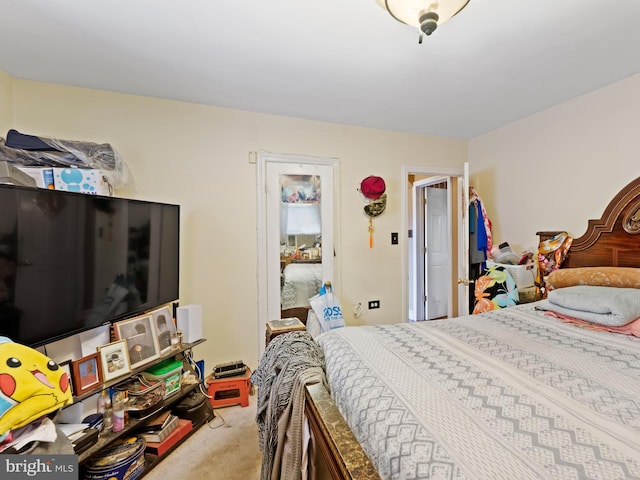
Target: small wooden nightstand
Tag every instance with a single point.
(282, 325)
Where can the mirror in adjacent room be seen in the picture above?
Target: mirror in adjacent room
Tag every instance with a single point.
(296, 254)
(300, 241)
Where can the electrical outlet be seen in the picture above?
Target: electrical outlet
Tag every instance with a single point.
(374, 304)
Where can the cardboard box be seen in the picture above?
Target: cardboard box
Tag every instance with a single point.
(160, 448)
(42, 175)
(81, 180)
(12, 175)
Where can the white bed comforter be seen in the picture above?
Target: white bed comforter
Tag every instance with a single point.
(512, 394)
(301, 282)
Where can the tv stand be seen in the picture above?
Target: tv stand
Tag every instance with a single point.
(106, 439)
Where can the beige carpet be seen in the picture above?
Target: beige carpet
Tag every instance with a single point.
(226, 449)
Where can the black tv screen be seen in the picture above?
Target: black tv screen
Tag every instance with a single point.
(73, 261)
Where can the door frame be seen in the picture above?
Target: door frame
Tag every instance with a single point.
(264, 158)
(421, 266)
(459, 219)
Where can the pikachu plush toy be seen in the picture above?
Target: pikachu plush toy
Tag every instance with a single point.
(31, 385)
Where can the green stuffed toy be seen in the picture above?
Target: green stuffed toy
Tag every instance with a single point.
(31, 385)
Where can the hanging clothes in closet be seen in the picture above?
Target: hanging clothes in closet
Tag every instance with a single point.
(480, 238)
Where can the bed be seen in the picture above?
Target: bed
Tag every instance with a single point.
(513, 394)
(300, 282)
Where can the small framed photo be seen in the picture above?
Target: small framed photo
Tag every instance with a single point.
(142, 342)
(67, 367)
(114, 358)
(165, 328)
(87, 373)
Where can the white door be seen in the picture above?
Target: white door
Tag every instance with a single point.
(295, 228)
(433, 247)
(438, 246)
(418, 257)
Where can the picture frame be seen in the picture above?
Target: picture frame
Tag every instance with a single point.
(115, 359)
(165, 328)
(139, 333)
(87, 374)
(67, 367)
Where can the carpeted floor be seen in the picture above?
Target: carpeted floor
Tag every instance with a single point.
(226, 449)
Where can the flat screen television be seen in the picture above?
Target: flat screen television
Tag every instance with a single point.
(72, 261)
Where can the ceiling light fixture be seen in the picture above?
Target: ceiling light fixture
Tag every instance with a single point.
(426, 15)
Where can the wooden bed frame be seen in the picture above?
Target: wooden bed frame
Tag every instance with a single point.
(611, 240)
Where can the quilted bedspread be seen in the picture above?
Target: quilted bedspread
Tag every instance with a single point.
(301, 282)
(510, 394)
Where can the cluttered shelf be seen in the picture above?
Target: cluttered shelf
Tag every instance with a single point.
(151, 460)
(174, 395)
(106, 439)
(115, 381)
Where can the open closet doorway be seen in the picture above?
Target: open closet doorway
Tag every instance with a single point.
(436, 255)
(296, 236)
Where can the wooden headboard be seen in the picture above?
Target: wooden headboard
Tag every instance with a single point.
(612, 240)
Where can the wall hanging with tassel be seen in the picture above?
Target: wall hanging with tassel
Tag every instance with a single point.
(373, 188)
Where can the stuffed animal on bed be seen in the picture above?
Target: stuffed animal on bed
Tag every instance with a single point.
(31, 385)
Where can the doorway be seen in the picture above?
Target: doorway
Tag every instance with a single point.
(296, 236)
(432, 233)
(435, 265)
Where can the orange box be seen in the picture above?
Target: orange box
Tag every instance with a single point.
(229, 391)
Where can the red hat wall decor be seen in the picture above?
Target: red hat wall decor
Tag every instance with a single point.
(373, 188)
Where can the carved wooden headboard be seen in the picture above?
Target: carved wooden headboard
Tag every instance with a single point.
(612, 240)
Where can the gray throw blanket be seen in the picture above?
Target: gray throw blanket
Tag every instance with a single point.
(609, 306)
(290, 361)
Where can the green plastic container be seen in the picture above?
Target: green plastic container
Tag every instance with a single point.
(169, 371)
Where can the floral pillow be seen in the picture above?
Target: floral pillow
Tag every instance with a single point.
(495, 289)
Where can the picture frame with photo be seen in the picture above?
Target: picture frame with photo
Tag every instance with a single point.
(140, 336)
(67, 367)
(86, 374)
(165, 328)
(115, 359)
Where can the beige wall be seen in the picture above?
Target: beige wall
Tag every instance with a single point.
(559, 168)
(6, 103)
(552, 170)
(197, 156)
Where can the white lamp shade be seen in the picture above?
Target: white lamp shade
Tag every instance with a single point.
(301, 218)
(410, 11)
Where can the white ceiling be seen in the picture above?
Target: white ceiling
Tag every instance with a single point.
(343, 61)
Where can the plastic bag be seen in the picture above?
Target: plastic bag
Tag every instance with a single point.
(327, 308)
(65, 153)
